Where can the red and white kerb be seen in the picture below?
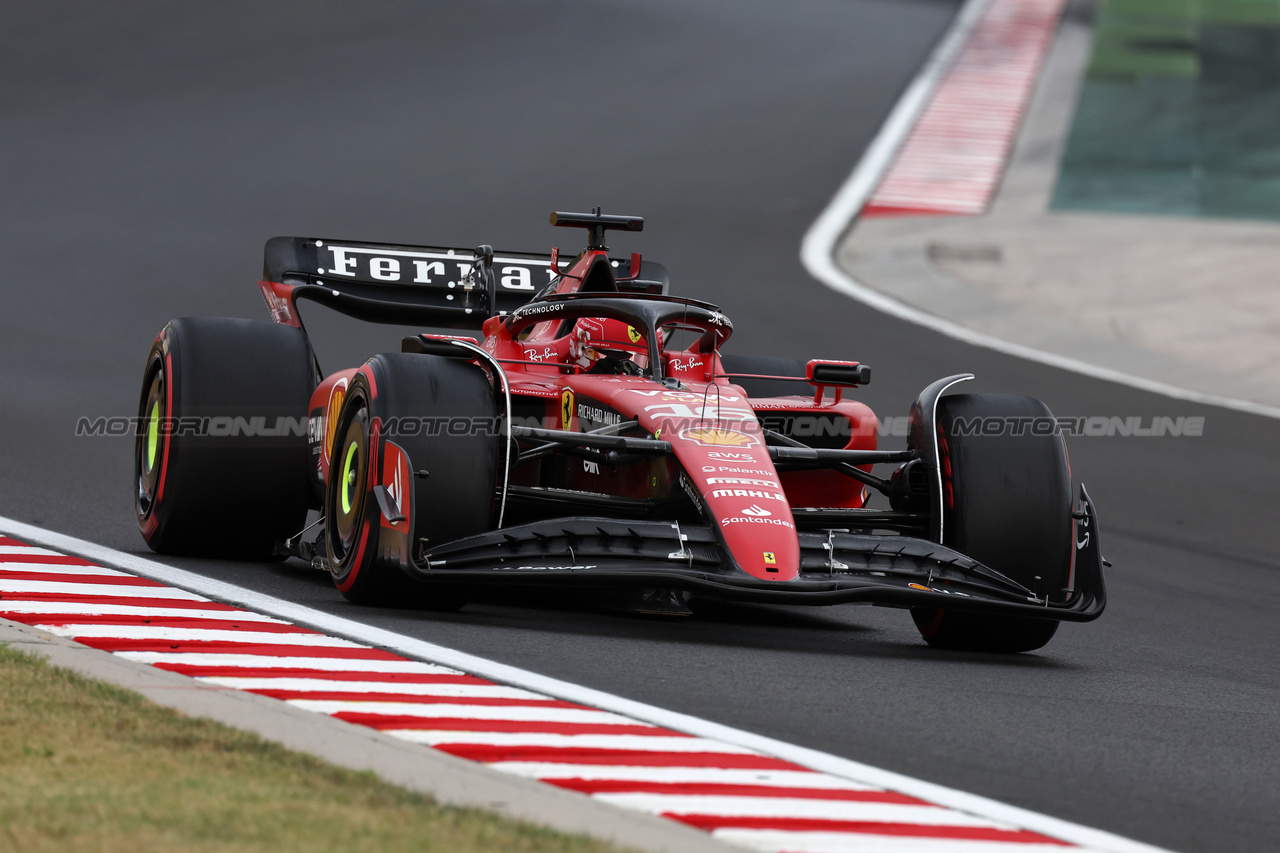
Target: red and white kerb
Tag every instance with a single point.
(740, 796)
(952, 161)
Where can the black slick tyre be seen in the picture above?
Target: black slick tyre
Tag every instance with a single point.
(220, 455)
(441, 414)
(1007, 504)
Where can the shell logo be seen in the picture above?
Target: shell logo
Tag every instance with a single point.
(717, 437)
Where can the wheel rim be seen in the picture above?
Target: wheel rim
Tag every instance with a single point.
(151, 438)
(346, 486)
(348, 477)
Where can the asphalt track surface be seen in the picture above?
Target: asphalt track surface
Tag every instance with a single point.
(150, 149)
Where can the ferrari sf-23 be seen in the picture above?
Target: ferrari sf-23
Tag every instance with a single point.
(596, 436)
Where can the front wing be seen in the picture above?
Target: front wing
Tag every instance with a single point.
(836, 566)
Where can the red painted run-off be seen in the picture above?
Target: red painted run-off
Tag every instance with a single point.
(740, 796)
(953, 159)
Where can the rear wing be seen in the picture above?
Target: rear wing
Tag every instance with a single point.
(390, 283)
(387, 283)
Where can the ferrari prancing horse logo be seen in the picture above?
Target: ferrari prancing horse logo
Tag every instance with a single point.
(566, 408)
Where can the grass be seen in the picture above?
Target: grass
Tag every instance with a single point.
(1180, 111)
(85, 766)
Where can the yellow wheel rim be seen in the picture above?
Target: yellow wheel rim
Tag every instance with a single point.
(346, 477)
(153, 436)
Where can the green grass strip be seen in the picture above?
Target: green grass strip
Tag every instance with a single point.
(85, 766)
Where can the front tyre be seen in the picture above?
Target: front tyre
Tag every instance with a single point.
(441, 414)
(1007, 504)
(349, 520)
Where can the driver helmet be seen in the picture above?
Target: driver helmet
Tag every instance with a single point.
(595, 339)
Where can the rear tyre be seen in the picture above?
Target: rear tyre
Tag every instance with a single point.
(210, 475)
(1007, 504)
(767, 365)
(441, 413)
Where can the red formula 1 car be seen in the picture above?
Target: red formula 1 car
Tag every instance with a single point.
(596, 436)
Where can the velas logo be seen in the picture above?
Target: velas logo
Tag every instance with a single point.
(717, 437)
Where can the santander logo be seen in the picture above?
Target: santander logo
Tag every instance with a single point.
(756, 511)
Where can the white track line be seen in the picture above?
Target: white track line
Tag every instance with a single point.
(609, 704)
(817, 250)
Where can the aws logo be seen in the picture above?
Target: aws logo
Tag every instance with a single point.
(717, 437)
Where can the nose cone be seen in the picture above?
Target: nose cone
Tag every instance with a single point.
(762, 539)
(732, 471)
(715, 435)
